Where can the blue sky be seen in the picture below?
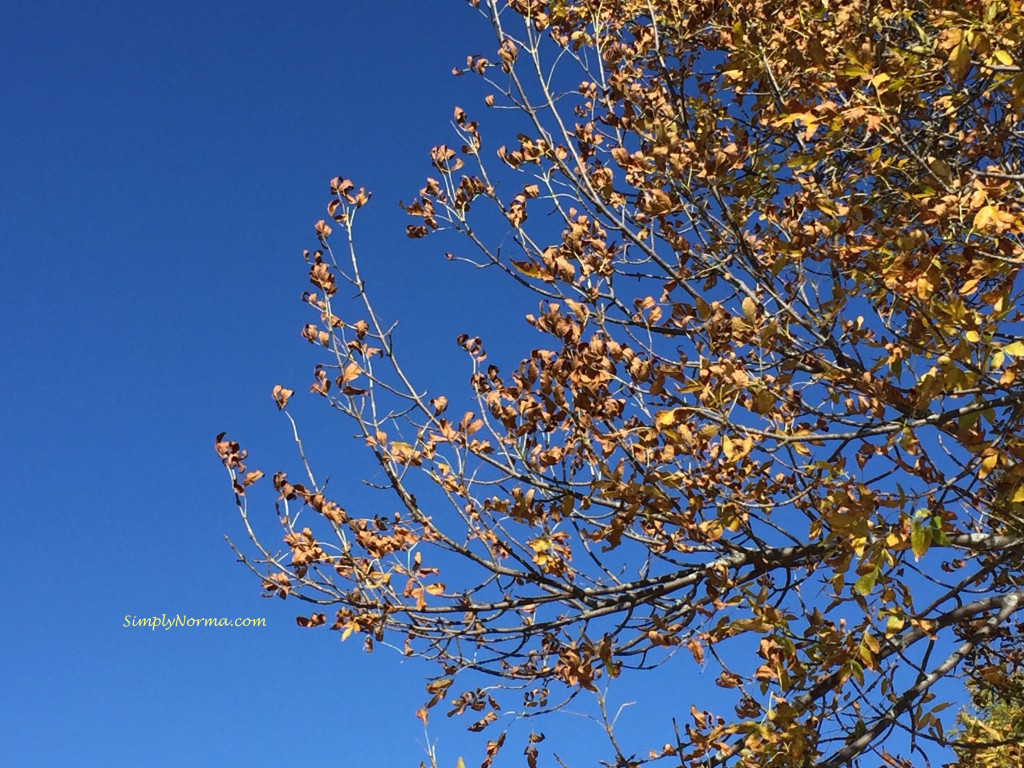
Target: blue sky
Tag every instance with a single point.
(163, 166)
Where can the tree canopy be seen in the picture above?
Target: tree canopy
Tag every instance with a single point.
(992, 735)
(768, 409)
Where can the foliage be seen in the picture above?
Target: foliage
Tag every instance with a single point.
(772, 413)
(993, 735)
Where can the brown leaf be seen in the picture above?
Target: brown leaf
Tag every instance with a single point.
(281, 396)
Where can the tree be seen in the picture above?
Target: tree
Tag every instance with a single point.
(768, 412)
(993, 736)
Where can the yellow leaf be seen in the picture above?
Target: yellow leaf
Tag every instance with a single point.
(972, 336)
(712, 529)
(960, 61)
(798, 445)
(987, 465)
(708, 431)
(527, 268)
(880, 79)
(985, 216)
(866, 583)
(872, 642)
(459, 763)
(728, 448)
(749, 308)
(684, 434)
(920, 539)
(664, 419)
(991, 218)
(1004, 58)
(893, 625)
(1015, 349)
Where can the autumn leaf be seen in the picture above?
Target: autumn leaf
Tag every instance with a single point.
(749, 308)
(1014, 348)
(529, 269)
(251, 477)
(960, 61)
(281, 396)
(920, 539)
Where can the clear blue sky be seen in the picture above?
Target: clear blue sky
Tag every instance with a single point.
(163, 165)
